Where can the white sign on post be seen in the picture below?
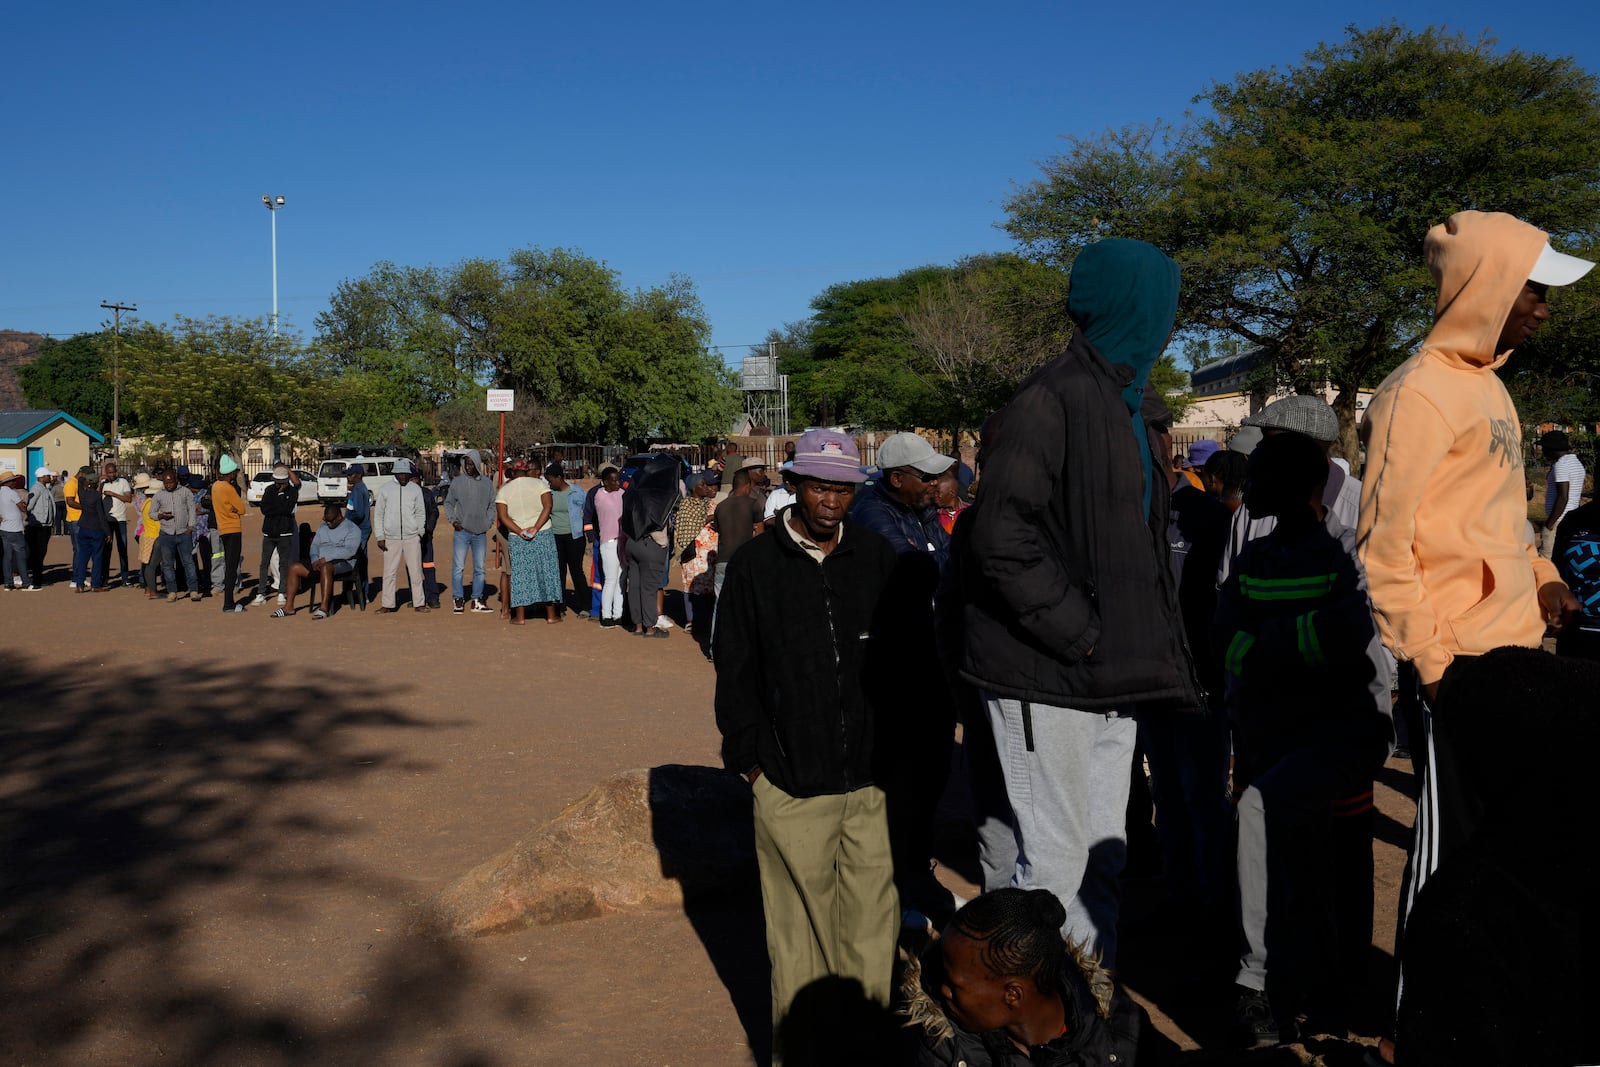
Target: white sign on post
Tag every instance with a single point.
(502, 399)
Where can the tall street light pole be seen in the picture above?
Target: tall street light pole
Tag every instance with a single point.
(273, 204)
(116, 371)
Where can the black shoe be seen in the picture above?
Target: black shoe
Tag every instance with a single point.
(1254, 1025)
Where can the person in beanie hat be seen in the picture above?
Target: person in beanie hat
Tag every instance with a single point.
(800, 681)
(229, 508)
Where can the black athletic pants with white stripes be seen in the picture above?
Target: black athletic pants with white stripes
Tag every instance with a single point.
(1449, 805)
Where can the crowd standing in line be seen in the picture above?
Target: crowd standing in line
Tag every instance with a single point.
(1096, 597)
(1232, 618)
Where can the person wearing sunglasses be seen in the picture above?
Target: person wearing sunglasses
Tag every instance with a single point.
(901, 505)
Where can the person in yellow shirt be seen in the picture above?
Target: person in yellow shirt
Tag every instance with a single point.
(149, 528)
(69, 496)
(228, 507)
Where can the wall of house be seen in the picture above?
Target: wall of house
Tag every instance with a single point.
(65, 448)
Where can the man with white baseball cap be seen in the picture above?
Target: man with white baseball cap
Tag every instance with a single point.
(900, 506)
(42, 514)
(278, 532)
(1444, 509)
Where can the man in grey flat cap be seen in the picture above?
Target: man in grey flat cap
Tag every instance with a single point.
(1310, 417)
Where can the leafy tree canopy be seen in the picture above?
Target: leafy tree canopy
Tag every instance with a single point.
(75, 375)
(600, 362)
(1298, 202)
(933, 346)
(221, 380)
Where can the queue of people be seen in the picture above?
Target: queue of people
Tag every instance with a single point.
(1239, 630)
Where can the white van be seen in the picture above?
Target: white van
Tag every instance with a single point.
(333, 488)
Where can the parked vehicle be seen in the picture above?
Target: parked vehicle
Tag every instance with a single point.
(309, 493)
(332, 488)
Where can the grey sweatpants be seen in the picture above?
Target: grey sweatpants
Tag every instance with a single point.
(1305, 898)
(1066, 774)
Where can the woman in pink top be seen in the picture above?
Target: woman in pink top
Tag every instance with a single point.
(608, 513)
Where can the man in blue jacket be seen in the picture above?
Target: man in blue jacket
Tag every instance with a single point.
(899, 507)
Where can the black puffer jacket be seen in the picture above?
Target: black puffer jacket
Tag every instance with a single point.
(799, 660)
(1061, 560)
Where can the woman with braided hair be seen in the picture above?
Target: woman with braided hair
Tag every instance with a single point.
(1005, 989)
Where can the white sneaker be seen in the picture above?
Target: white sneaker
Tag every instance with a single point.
(72, 585)
(282, 599)
(663, 623)
(260, 599)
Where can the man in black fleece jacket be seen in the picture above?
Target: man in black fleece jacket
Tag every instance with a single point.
(804, 663)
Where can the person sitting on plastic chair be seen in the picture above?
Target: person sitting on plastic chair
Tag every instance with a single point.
(333, 554)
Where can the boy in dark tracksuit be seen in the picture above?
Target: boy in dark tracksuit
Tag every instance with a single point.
(1307, 689)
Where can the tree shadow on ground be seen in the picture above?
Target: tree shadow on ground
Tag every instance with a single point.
(131, 803)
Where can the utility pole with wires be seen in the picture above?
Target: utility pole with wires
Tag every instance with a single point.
(116, 372)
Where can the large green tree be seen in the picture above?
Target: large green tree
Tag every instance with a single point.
(75, 375)
(1297, 203)
(602, 363)
(223, 381)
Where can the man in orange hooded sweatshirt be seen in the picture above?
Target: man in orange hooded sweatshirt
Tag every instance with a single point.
(1444, 505)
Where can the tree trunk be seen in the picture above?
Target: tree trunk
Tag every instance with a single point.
(1348, 445)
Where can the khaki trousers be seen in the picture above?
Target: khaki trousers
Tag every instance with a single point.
(407, 550)
(827, 883)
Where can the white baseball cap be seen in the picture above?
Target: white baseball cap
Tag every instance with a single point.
(911, 450)
(44, 472)
(1558, 268)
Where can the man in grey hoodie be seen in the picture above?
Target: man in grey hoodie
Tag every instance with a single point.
(470, 511)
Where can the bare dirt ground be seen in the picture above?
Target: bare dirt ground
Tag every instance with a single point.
(214, 832)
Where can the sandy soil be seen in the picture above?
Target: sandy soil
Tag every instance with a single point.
(213, 832)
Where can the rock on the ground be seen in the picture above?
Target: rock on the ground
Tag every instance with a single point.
(643, 839)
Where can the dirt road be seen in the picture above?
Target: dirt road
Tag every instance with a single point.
(213, 830)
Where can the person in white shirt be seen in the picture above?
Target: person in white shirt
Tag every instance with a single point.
(779, 498)
(398, 517)
(1563, 485)
(118, 494)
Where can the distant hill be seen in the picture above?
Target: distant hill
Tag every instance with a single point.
(17, 350)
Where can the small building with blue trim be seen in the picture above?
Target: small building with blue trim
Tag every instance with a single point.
(33, 439)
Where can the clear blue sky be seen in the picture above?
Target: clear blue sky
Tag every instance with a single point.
(764, 152)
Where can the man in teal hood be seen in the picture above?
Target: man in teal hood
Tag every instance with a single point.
(1068, 603)
(1123, 299)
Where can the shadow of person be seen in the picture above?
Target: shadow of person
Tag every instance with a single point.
(832, 1021)
(701, 822)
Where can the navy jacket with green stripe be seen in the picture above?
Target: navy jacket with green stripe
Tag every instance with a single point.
(1299, 649)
